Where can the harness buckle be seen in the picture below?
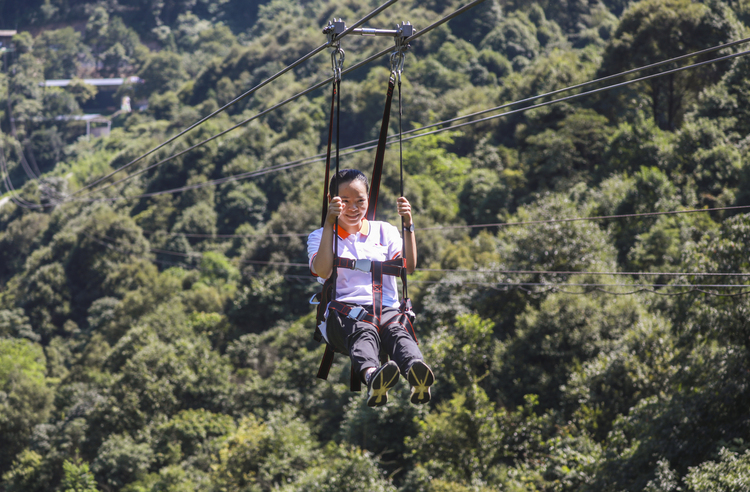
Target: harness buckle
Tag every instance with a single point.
(363, 265)
(357, 313)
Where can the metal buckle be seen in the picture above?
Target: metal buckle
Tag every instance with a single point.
(357, 313)
(363, 265)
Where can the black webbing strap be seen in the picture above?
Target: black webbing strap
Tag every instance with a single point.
(329, 288)
(377, 290)
(377, 169)
(325, 363)
(401, 169)
(334, 274)
(326, 197)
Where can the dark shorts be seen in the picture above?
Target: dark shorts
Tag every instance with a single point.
(364, 342)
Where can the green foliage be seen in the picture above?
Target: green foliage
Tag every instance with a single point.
(264, 455)
(24, 475)
(345, 470)
(660, 29)
(60, 50)
(25, 397)
(553, 340)
(574, 152)
(167, 341)
(77, 478)
(120, 460)
(729, 474)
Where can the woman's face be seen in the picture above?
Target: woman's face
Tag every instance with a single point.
(354, 198)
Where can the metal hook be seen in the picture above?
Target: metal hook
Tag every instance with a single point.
(337, 62)
(332, 31)
(398, 57)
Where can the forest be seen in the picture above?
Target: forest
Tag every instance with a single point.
(582, 286)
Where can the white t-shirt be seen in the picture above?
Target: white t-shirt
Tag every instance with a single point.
(378, 241)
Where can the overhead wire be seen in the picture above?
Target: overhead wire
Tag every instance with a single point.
(487, 225)
(596, 217)
(280, 104)
(238, 98)
(556, 288)
(306, 161)
(586, 93)
(576, 86)
(526, 272)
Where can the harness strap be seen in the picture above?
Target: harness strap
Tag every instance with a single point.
(325, 363)
(377, 289)
(377, 170)
(326, 198)
(394, 268)
(353, 312)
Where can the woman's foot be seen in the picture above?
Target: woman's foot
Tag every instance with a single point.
(420, 378)
(379, 382)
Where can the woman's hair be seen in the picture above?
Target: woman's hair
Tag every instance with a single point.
(345, 176)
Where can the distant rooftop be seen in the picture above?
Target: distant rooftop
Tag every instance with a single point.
(96, 82)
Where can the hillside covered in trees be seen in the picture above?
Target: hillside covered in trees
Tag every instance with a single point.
(155, 340)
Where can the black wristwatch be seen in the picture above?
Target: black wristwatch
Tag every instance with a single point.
(410, 228)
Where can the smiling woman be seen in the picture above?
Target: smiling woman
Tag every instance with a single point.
(364, 319)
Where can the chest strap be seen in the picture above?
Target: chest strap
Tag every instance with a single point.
(378, 269)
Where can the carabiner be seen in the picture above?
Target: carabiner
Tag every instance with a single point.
(332, 31)
(398, 57)
(337, 61)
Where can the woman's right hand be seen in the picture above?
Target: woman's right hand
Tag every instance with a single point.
(335, 207)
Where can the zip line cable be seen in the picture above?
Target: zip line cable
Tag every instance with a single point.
(416, 35)
(587, 93)
(558, 91)
(283, 103)
(599, 217)
(240, 97)
(302, 162)
(573, 87)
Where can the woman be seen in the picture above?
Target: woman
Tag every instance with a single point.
(362, 339)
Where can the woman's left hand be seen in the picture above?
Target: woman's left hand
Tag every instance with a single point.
(404, 210)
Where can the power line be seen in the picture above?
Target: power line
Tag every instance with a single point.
(573, 87)
(228, 236)
(240, 97)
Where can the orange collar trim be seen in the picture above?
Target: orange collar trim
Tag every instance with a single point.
(364, 230)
